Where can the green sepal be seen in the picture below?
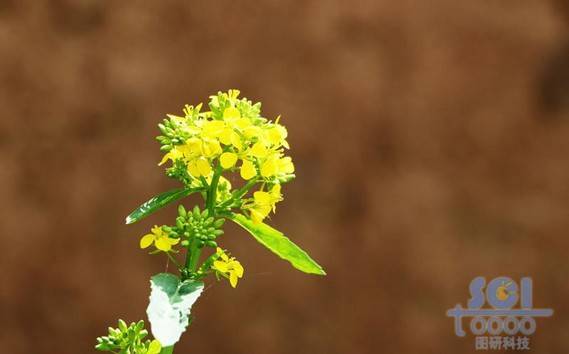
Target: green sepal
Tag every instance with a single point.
(157, 203)
(279, 244)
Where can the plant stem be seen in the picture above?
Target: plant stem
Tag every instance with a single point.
(167, 350)
(193, 256)
(194, 251)
(211, 195)
(173, 259)
(239, 193)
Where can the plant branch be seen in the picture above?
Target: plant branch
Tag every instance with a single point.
(211, 196)
(167, 350)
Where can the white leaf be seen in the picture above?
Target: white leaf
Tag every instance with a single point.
(169, 307)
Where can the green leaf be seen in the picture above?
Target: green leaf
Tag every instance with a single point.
(158, 202)
(279, 244)
(170, 304)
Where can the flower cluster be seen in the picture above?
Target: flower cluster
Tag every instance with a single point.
(232, 136)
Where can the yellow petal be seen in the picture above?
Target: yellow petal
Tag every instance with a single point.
(252, 131)
(193, 169)
(236, 141)
(194, 146)
(224, 257)
(164, 159)
(171, 155)
(243, 123)
(269, 168)
(225, 136)
(220, 266)
(259, 150)
(259, 213)
(146, 240)
(262, 198)
(276, 191)
(162, 244)
(173, 241)
(276, 135)
(228, 160)
(285, 165)
(231, 112)
(256, 217)
(203, 167)
(211, 148)
(233, 280)
(213, 128)
(248, 170)
(238, 269)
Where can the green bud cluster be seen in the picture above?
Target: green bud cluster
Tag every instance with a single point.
(171, 135)
(198, 226)
(128, 340)
(173, 132)
(179, 171)
(222, 100)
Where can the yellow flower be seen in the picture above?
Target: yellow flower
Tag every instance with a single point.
(211, 148)
(275, 165)
(176, 153)
(264, 203)
(228, 267)
(159, 238)
(276, 135)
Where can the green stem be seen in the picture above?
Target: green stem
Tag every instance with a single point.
(211, 196)
(194, 251)
(193, 256)
(173, 259)
(239, 193)
(167, 350)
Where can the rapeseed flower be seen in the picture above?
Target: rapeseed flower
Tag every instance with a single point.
(228, 267)
(160, 239)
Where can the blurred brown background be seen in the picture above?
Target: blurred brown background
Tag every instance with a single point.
(431, 140)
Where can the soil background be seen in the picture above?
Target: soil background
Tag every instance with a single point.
(431, 141)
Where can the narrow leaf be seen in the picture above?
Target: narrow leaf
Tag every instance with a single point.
(157, 203)
(279, 244)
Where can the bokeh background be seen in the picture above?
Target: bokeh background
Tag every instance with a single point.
(431, 140)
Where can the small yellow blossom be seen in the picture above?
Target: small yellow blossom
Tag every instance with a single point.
(264, 203)
(228, 267)
(159, 238)
(275, 165)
